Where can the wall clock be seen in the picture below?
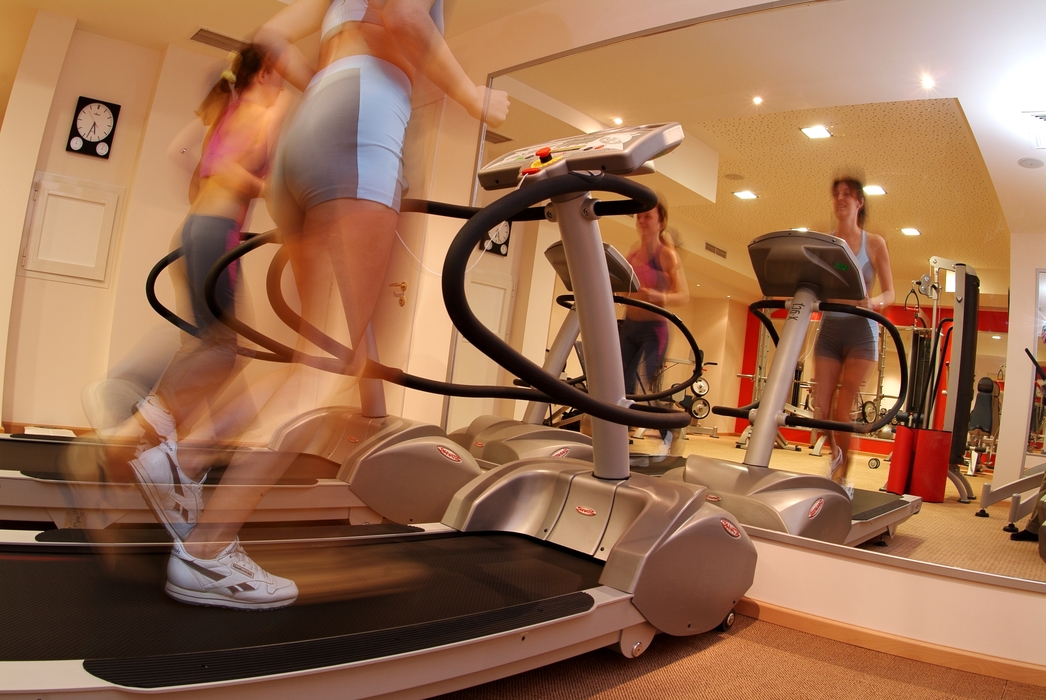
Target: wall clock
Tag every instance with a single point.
(497, 239)
(94, 124)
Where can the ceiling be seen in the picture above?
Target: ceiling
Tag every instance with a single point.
(946, 156)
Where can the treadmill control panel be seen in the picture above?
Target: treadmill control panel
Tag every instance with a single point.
(622, 150)
(786, 260)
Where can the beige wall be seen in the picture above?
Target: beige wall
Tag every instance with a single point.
(20, 139)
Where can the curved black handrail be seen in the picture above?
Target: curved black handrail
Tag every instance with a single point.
(567, 302)
(640, 199)
(183, 325)
(803, 422)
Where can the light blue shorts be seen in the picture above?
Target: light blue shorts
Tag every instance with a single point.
(344, 142)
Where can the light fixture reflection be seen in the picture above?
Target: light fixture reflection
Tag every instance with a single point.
(816, 132)
(874, 189)
(618, 121)
(746, 194)
(757, 100)
(911, 231)
(928, 83)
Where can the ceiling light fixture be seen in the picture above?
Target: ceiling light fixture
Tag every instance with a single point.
(618, 121)
(757, 100)
(996, 337)
(910, 231)
(816, 132)
(874, 189)
(745, 194)
(927, 82)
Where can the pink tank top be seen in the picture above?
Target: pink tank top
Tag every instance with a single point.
(224, 143)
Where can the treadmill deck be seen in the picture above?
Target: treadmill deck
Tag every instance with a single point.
(358, 601)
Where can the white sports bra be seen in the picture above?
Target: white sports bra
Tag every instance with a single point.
(341, 12)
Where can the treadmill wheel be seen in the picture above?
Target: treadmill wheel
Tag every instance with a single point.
(869, 413)
(727, 622)
(700, 386)
(874, 463)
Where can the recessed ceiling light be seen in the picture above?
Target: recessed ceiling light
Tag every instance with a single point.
(996, 337)
(618, 121)
(734, 176)
(927, 82)
(757, 100)
(816, 132)
(910, 231)
(874, 189)
(745, 194)
(801, 229)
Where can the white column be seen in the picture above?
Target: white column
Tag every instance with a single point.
(20, 138)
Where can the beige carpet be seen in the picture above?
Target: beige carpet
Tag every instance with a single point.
(754, 660)
(943, 533)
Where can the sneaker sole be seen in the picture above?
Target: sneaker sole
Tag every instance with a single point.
(215, 600)
(178, 531)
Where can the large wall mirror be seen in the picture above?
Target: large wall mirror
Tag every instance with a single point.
(808, 68)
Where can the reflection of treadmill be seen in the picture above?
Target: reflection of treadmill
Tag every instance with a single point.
(810, 268)
(534, 562)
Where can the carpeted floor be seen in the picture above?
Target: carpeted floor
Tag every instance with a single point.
(943, 533)
(755, 659)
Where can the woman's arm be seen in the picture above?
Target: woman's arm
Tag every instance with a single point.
(292, 23)
(678, 292)
(409, 23)
(881, 263)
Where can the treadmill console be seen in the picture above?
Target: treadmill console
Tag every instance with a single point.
(622, 277)
(622, 151)
(786, 260)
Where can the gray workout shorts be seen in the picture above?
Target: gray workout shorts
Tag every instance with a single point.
(344, 142)
(843, 336)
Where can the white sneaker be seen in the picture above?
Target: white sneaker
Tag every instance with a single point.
(849, 488)
(666, 444)
(158, 422)
(230, 580)
(174, 498)
(835, 462)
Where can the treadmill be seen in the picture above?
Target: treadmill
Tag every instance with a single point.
(533, 562)
(809, 268)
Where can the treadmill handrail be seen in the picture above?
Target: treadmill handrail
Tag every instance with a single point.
(640, 198)
(567, 301)
(820, 424)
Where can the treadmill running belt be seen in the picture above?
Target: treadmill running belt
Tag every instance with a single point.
(252, 662)
(81, 606)
(871, 504)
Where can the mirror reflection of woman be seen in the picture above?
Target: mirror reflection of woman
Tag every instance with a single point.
(644, 334)
(847, 346)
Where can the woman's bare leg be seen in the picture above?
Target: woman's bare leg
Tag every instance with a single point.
(826, 378)
(854, 373)
(356, 237)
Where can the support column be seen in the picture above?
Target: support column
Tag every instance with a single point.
(20, 139)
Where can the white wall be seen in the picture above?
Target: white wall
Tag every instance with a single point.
(20, 138)
(59, 330)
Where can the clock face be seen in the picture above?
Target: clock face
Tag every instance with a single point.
(94, 122)
(500, 233)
